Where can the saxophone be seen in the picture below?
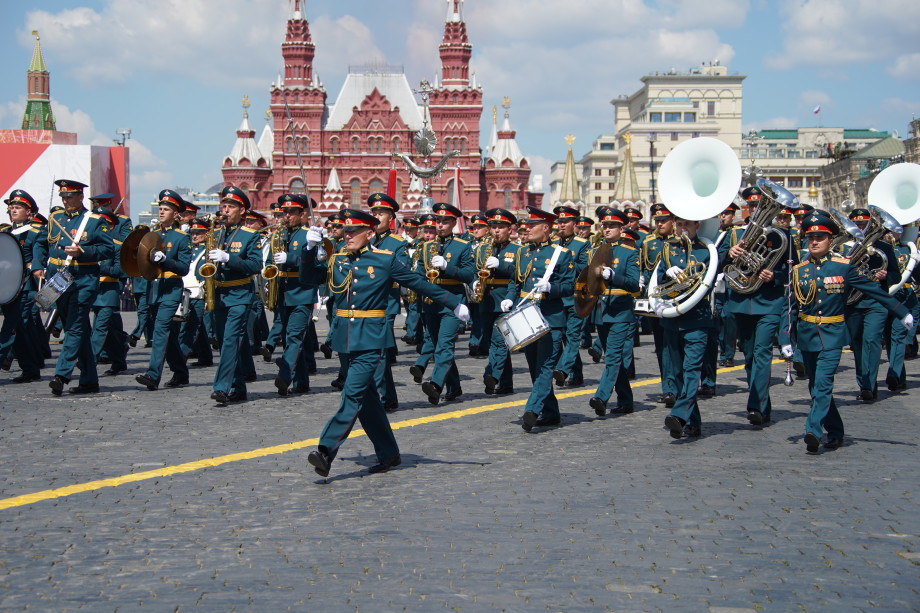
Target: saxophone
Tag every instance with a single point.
(209, 269)
(482, 272)
(271, 271)
(411, 296)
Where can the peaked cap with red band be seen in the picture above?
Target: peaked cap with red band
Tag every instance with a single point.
(817, 223)
(410, 222)
(752, 194)
(479, 220)
(171, 199)
(500, 216)
(565, 212)
(608, 214)
(633, 213)
(584, 222)
(236, 196)
(860, 215)
(442, 209)
(67, 186)
(21, 196)
(660, 210)
(382, 201)
(353, 218)
(428, 220)
(535, 215)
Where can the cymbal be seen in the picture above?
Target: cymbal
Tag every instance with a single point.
(150, 243)
(584, 301)
(128, 254)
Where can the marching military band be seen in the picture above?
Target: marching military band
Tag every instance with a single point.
(822, 286)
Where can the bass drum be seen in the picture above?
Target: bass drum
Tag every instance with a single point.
(12, 268)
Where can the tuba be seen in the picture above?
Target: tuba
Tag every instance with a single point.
(742, 275)
(863, 241)
(698, 179)
(896, 190)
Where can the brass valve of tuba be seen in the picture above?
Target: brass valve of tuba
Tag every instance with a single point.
(270, 272)
(743, 273)
(209, 269)
(863, 249)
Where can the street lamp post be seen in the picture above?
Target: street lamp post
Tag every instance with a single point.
(652, 137)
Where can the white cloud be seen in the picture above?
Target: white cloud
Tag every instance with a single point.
(773, 123)
(181, 37)
(845, 32)
(813, 97)
(342, 42)
(906, 67)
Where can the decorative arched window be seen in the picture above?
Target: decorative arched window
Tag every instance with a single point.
(462, 145)
(297, 186)
(354, 145)
(355, 186)
(334, 145)
(376, 186)
(450, 192)
(395, 144)
(507, 193)
(289, 145)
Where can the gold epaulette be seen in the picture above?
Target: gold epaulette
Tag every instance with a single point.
(245, 229)
(627, 247)
(183, 233)
(383, 251)
(94, 216)
(841, 260)
(398, 237)
(580, 239)
(461, 240)
(120, 216)
(800, 264)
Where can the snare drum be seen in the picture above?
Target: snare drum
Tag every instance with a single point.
(12, 268)
(522, 326)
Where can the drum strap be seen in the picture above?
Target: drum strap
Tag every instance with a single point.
(20, 230)
(76, 241)
(557, 251)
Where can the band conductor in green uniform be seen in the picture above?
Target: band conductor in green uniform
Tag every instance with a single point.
(361, 279)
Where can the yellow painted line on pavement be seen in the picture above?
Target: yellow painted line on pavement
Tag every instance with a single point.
(167, 471)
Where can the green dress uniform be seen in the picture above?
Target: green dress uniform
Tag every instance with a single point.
(163, 297)
(898, 336)
(75, 303)
(758, 316)
(396, 244)
(543, 354)
(233, 301)
(301, 276)
(649, 253)
(362, 284)
(615, 320)
(865, 321)
(685, 339)
(498, 375)
(821, 287)
(440, 322)
(570, 365)
(108, 334)
(194, 331)
(19, 334)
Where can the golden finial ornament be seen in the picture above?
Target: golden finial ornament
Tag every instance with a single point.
(570, 138)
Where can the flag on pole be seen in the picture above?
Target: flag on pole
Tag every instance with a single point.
(460, 228)
(817, 109)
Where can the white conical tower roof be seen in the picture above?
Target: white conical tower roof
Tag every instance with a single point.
(506, 146)
(415, 192)
(245, 146)
(333, 195)
(267, 139)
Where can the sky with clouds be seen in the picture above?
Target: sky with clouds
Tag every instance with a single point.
(174, 71)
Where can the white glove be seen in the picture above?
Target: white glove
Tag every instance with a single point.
(438, 261)
(507, 305)
(786, 351)
(542, 286)
(157, 257)
(908, 321)
(607, 272)
(641, 283)
(659, 309)
(673, 271)
(218, 255)
(462, 312)
(492, 262)
(280, 257)
(314, 237)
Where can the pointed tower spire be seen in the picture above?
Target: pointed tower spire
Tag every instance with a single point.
(506, 146)
(493, 134)
(456, 49)
(571, 188)
(298, 49)
(38, 115)
(627, 189)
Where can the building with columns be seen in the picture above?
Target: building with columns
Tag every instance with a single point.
(341, 151)
(705, 101)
